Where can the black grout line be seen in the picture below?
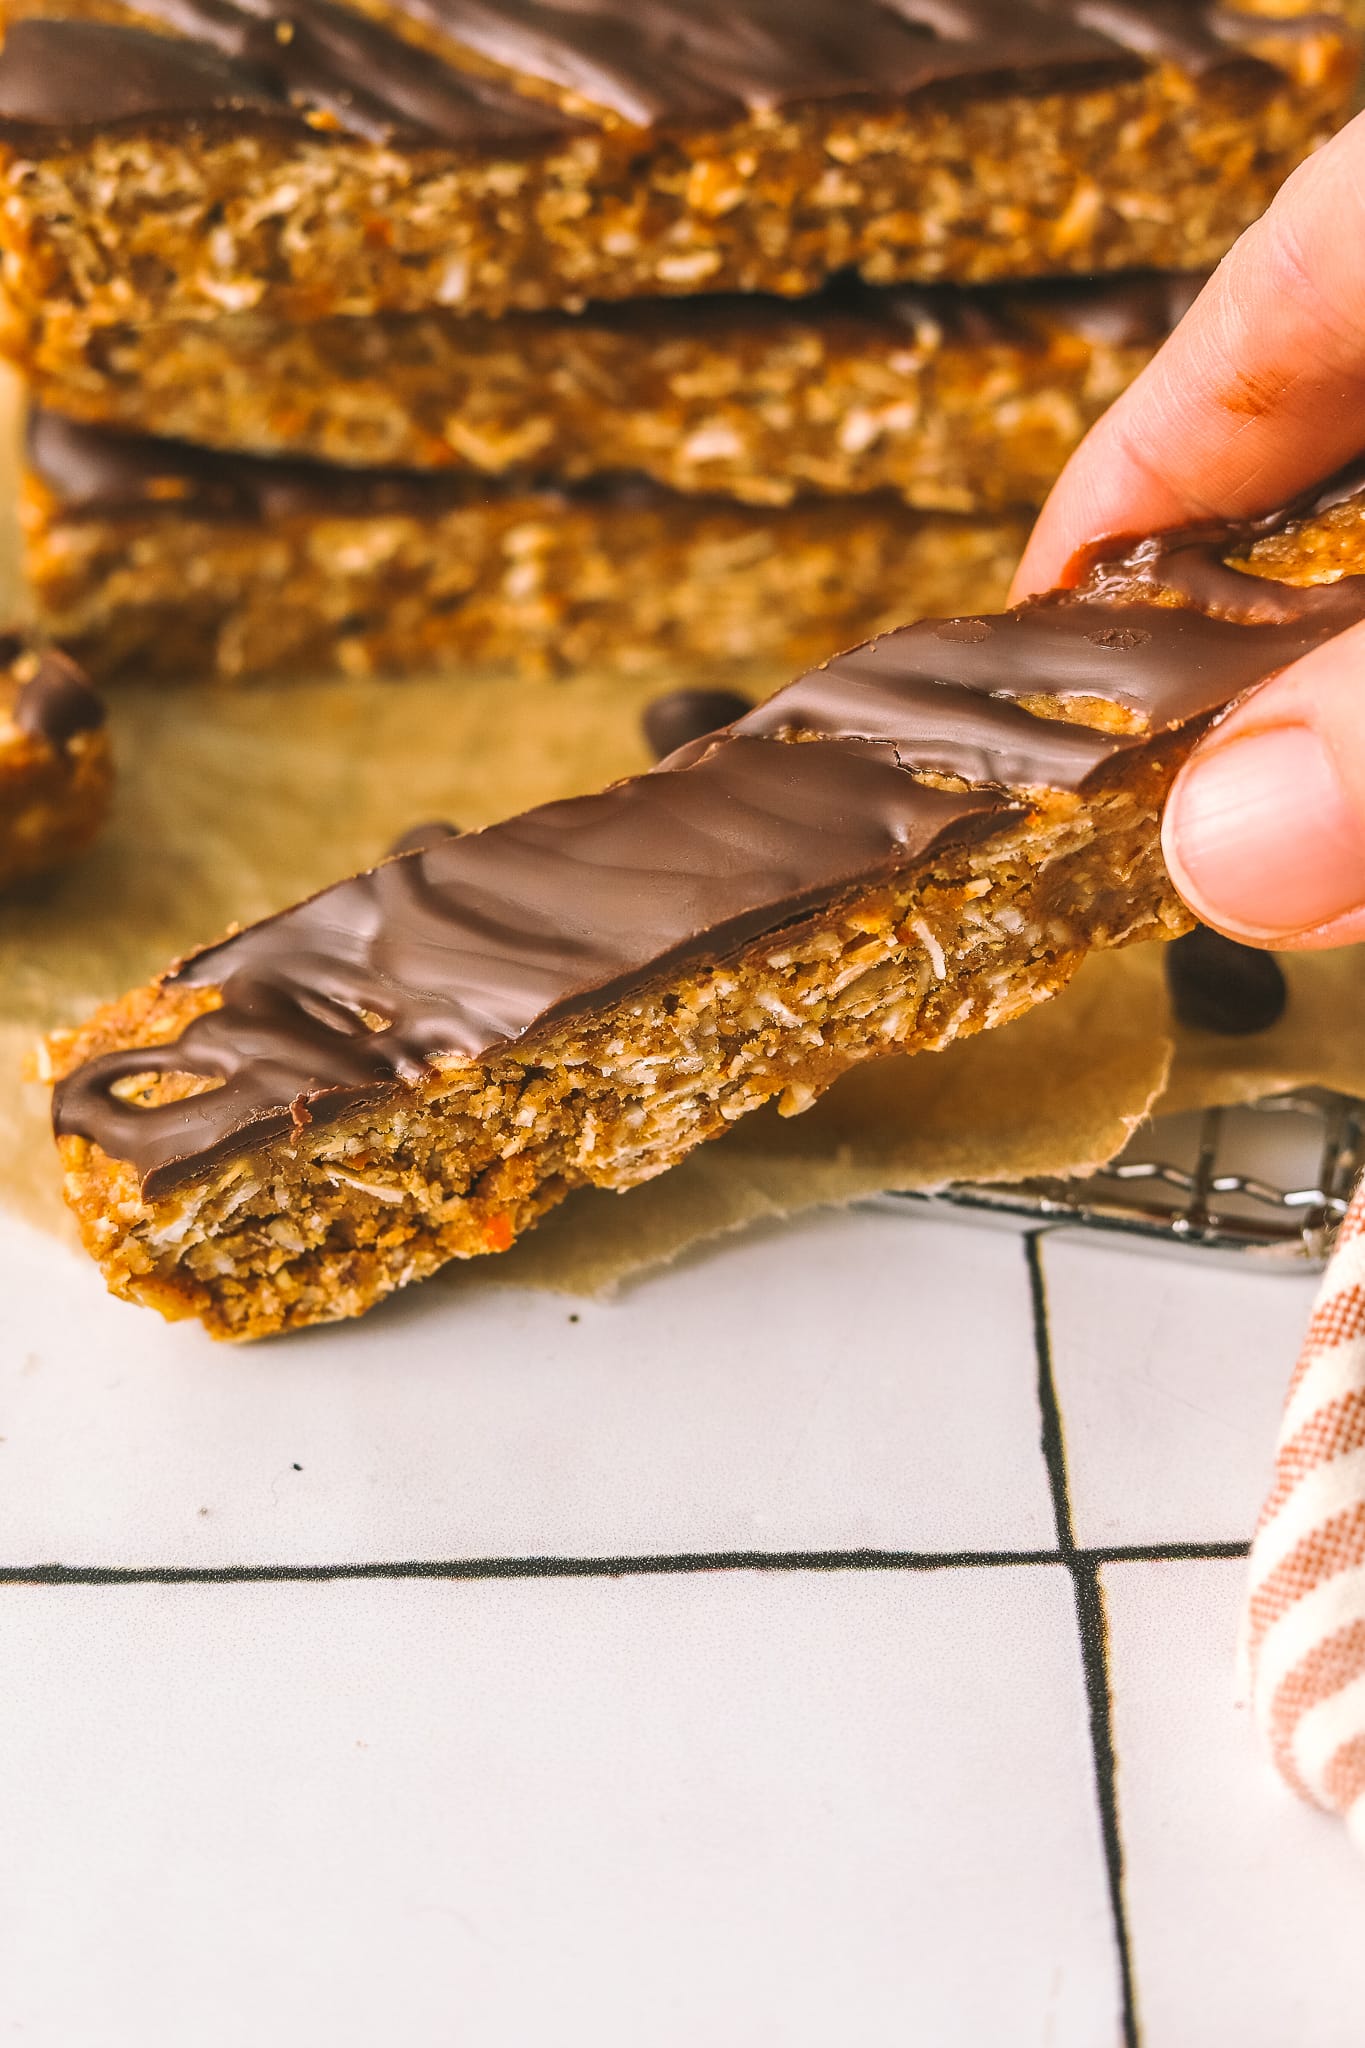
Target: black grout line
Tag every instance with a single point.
(529, 1567)
(660, 1566)
(1090, 1616)
(1157, 1553)
(1051, 1441)
(1085, 1581)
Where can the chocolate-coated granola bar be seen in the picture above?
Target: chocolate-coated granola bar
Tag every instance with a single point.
(186, 159)
(919, 840)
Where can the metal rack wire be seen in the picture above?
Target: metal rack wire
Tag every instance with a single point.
(1268, 1181)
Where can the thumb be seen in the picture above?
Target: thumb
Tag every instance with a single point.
(1264, 831)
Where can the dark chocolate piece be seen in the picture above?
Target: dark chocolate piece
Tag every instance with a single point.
(649, 63)
(418, 838)
(1218, 985)
(58, 701)
(685, 716)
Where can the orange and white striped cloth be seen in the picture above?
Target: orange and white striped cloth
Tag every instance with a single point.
(1303, 1634)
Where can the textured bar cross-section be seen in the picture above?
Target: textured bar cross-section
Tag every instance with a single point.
(957, 401)
(151, 558)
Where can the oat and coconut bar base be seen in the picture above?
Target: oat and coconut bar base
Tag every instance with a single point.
(55, 770)
(156, 559)
(959, 401)
(299, 159)
(919, 840)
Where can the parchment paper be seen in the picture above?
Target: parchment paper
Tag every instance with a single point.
(232, 803)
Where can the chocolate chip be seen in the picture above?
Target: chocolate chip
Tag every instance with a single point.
(58, 701)
(1218, 985)
(684, 715)
(418, 838)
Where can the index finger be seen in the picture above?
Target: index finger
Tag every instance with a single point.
(1259, 393)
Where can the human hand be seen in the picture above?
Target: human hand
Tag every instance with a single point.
(1259, 394)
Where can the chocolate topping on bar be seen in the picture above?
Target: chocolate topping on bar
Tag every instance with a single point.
(1121, 310)
(471, 944)
(465, 947)
(1197, 562)
(95, 472)
(57, 701)
(278, 64)
(644, 62)
(51, 77)
(1116, 312)
(418, 838)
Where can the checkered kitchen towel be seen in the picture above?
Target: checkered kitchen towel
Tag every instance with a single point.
(1303, 1635)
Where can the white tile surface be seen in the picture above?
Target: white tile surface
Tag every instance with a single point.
(855, 1379)
(774, 1810)
(780, 1808)
(1246, 1909)
(1171, 1378)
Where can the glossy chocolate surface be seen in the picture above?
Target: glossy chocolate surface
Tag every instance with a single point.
(418, 838)
(464, 948)
(947, 690)
(467, 947)
(647, 63)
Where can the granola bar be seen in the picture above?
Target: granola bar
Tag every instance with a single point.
(160, 559)
(919, 840)
(958, 401)
(186, 159)
(55, 773)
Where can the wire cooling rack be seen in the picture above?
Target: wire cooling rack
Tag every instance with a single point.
(1268, 1181)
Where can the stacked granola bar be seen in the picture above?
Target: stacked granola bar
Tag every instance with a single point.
(410, 332)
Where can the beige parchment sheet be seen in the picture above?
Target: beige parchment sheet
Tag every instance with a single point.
(232, 803)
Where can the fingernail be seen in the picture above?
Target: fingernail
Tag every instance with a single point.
(1262, 838)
